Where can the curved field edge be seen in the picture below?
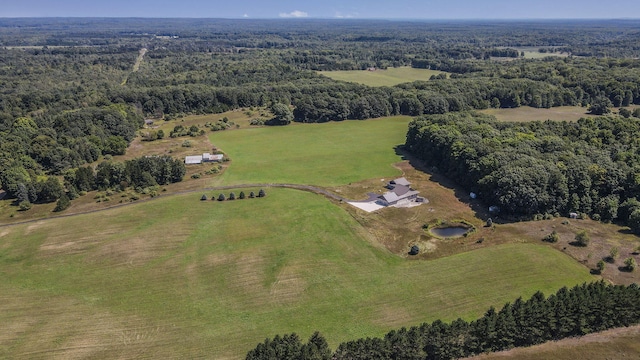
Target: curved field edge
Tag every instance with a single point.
(620, 343)
(181, 277)
(328, 154)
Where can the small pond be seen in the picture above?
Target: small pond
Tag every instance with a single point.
(450, 231)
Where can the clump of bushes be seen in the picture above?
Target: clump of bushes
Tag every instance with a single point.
(552, 238)
(630, 264)
(582, 239)
(221, 124)
(181, 130)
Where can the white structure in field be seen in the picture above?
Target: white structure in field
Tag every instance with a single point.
(400, 191)
(206, 157)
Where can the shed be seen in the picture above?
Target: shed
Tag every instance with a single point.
(190, 160)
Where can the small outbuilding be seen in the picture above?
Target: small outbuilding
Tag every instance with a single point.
(206, 157)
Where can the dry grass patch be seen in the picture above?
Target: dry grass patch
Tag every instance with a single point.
(397, 229)
(621, 343)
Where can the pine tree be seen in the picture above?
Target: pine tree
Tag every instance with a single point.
(63, 203)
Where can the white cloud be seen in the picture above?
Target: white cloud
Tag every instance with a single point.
(339, 15)
(294, 14)
(245, 16)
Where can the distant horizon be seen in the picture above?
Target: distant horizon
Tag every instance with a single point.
(322, 18)
(328, 9)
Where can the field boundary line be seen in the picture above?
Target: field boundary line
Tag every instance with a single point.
(308, 188)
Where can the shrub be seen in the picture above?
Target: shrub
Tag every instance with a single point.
(241, 196)
(232, 196)
(187, 144)
(613, 254)
(196, 176)
(552, 238)
(630, 264)
(252, 195)
(221, 197)
(261, 193)
(600, 266)
(24, 205)
(582, 238)
(204, 197)
(63, 203)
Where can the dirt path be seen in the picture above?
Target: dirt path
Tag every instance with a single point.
(136, 66)
(309, 188)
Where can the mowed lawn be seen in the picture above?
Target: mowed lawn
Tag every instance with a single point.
(177, 277)
(329, 154)
(388, 77)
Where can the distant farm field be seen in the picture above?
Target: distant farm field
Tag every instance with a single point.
(329, 154)
(388, 77)
(177, 277)
(526, 113)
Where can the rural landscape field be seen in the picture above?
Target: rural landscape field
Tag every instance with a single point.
(233, 192)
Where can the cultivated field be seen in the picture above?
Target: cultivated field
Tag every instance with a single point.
(328, 154)
(178, 277)
(388, 77)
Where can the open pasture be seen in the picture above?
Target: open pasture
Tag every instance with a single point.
(329, 154)
(184, 278)
(526, 113)
(388, 77)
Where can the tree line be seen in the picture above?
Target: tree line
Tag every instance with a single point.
(578, 311)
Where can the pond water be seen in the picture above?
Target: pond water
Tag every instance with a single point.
(449, 232)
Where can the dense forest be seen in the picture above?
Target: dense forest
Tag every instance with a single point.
(69, 95)
(569, 312)
(591, 166)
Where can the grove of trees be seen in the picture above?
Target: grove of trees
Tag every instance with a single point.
(590, 166)
(571, 312)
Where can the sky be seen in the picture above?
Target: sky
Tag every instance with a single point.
(359, 9)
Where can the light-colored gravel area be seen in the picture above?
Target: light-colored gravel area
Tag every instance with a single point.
(366, 206)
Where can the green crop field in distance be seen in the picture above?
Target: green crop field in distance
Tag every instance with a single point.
(329, 154)
(388, 77)
(183, 278)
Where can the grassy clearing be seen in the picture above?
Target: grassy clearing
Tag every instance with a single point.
(534, 53)
(179, 277)
(326, 154)
(525, 113)
(388, 77)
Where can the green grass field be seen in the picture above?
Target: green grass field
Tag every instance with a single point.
(182, 278)
(388, 77)
(526, 113)
(328, 154)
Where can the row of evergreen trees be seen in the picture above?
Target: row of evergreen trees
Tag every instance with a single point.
(571, 312)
